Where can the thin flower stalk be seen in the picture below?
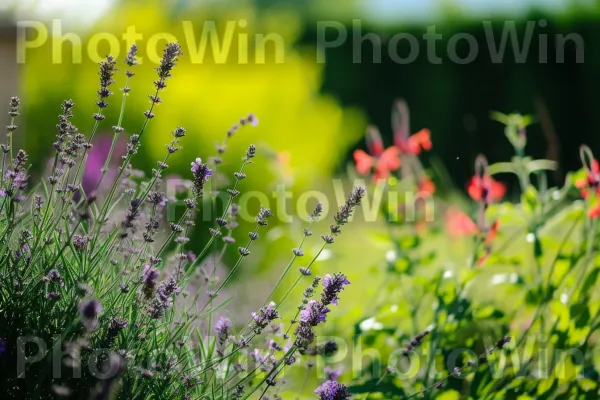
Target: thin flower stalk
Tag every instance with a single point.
(130, 61)
(244, 251)
(107, 70)
(482, 359)
(169, 60)
(245, 163)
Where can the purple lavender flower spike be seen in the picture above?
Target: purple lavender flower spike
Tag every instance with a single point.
(264, 317)
(314, 313)
(150, 276)
(201, 174)
(223, 328)
(332, 390)
(332, 286)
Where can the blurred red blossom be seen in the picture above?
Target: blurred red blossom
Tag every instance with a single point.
(486, 188)
(415, 143)
(594, 212)
(426, 185)
(458, 223)
(381, 161)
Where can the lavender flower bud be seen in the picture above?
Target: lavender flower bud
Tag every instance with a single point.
(130, 59)
(250, 153)
(298, 252)
(201, 174)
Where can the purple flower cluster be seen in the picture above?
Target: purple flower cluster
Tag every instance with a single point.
(332, 390)
(89, 310)
(107, 70)
(15, 105)
(116, 325)
(264, 317)
(166, 290)
(168, 60)
(150, 277)
(332, 286)
(201, 174)
(344, 213)
(223, 330)
(130, 59)
(265, 361)
(133, 213)
(315, 312)
(80, 242)
(17, 182)
(164, 297)
(54, 276)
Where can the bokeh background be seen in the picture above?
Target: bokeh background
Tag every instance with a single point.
(313, 115)
(324, 107)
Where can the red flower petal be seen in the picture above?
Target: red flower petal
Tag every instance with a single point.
(427, 186)
(476, 188)
(492, 232)
(497, 190)
(381, 173)
(483, 259)
(418, 141)
(458, 223)
(594, 212)
(390, 159)
(364, 162)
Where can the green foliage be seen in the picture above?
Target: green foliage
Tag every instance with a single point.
(535, 280)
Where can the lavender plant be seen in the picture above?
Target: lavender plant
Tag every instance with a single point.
(95, 300)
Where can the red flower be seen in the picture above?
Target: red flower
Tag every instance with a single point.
(400, 124)
(594, 212)
(382, 165)
(458, 223)
(426, 186)
(486, 188)
(383, 162)
(417, 142)
(592, 180)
